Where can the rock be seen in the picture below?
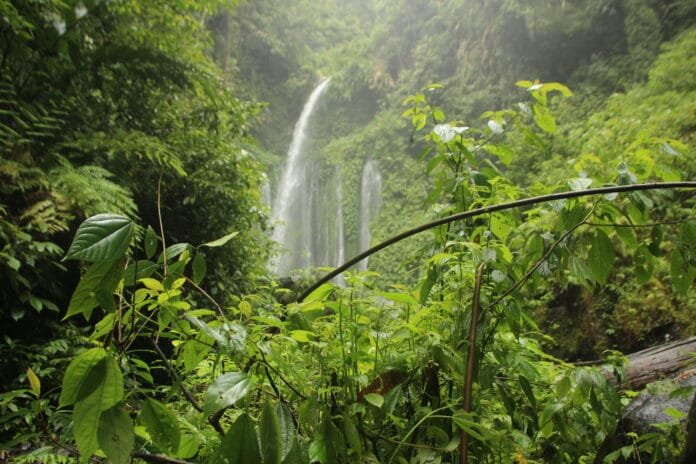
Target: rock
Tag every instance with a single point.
(646, 409)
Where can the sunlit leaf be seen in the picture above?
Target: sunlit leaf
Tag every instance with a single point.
(375, 399)
(287, 429)
(227, 390)
(100, 277)
(151, 242)
(601, 257)
(221, 241)
(34, 382)
(116, 436)
(103, 237)
(77, 374)
(270, 435)
(161, 424)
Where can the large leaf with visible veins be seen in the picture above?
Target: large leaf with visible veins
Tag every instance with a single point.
(104, 237)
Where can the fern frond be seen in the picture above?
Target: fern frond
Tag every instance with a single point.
(92, 190)
(48, 216)
(128, 145)
(17, 178)
(23, 123)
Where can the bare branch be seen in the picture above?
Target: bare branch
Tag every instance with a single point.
(490, 209)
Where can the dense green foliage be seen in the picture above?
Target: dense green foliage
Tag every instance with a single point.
(151, 332)
(604, 50)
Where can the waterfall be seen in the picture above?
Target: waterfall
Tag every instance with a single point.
(370, 203)
(295, 212)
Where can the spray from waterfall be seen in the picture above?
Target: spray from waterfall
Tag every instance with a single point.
(370, 204)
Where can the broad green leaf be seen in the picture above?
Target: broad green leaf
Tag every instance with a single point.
(199, 268)
(152, 284)
(151, 242)
(161, 424)
(328, 446)
(172, 252)
(34, 382)
(428, 283)
(287, 429)
(101, 277)
(419, 121)
(320, 293)
(375, 399)
(85, 426)
(116, 436)
(544, 119)
(301, 335)
(221, 241)
(656, 236)
(628, 236)
(502, 225)
(77, 374)
(562, 388)
(104, 237)
(527, 389)
(239, 445)
(270, 435)
(189, 446)
(644, 264)
(193, 352)
(351, 433)
(601, 257)
(465, 422)
(88, 410)
(226, 391)
(104, 326)
(682, 274)
(551, 86)
(138, 270)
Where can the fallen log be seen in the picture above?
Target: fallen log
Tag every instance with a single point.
(659, 362)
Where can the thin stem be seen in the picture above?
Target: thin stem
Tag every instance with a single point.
(430, 415)
(637, 226)
(490, 209)
(208, 296)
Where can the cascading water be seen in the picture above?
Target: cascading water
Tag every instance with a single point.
(297, 207)
(370, 203)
